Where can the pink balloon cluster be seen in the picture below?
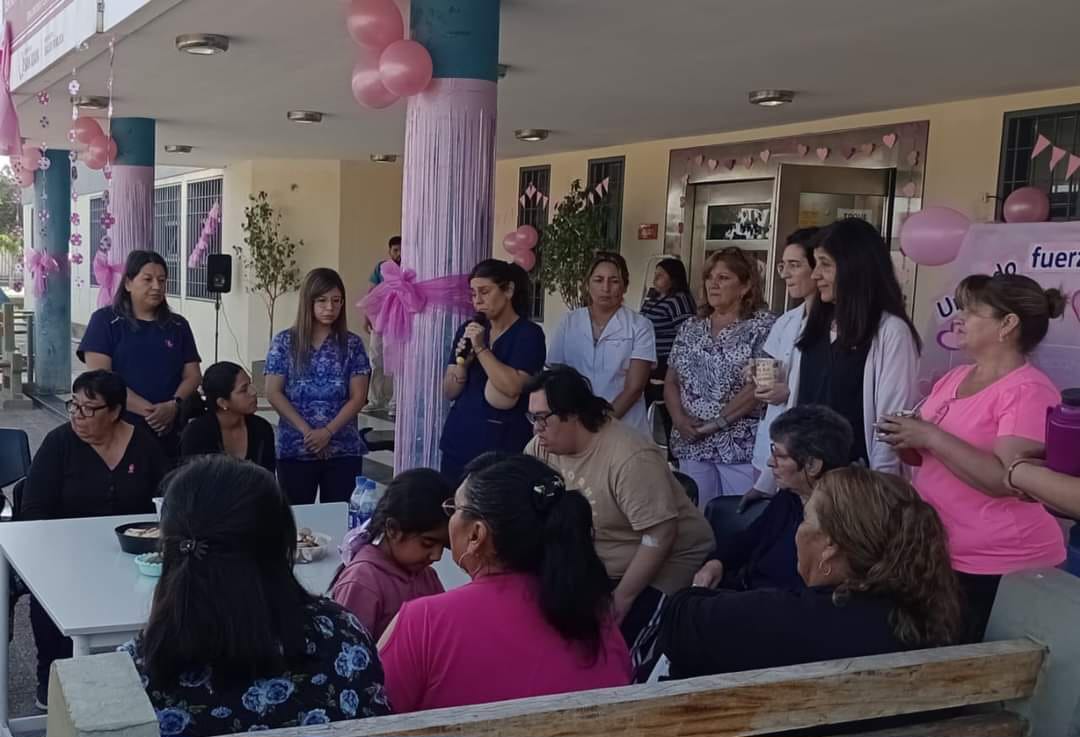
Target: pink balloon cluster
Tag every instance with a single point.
(100, 148)
(389, 66)
(1026, 205)
(520, 244)
(27, 164)
(932, 237)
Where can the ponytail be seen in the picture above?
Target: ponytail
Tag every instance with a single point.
(539, 527)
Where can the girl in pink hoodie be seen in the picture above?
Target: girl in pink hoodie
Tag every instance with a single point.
(389, 562)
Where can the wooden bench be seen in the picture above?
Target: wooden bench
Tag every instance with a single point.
(1024, 682)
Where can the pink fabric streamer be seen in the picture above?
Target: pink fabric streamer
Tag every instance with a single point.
(210, 226)
(132, 205)
(10, 137)
(394, 304)
(108, 277)
(40, 264)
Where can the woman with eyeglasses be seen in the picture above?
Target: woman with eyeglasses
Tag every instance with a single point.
(536, 618)
(231, 426)
(711, 403)
(317, 380)
(608, 343)
(980, 420)
(97, 465)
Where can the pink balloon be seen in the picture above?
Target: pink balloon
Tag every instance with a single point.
(528, 235)
(26, 178)
(933, 236)
(31, 151)
(368, 88)
(374, 23)
(513, 244)
(86, 130)
(100, 151)
(1026, 205)
(406, 68)
(525, 259)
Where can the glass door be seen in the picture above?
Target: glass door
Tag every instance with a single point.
(731, 214)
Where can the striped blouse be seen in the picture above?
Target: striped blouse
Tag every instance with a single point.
(667, 314)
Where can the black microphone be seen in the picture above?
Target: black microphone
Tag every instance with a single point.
(466, 350)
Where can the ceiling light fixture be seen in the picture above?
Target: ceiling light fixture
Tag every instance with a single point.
(771, 98)
(177, 148)
(90, 102)
(383, 158)
(305, 116)
(202, 44)
(532, 135)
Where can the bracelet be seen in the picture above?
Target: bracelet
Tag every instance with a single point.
(1009, 475)
(482, 350)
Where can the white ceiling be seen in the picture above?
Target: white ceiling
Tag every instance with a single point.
(596, 72)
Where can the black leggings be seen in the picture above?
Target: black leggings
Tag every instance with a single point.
(50, 642)
(334, 479)
(979, 592)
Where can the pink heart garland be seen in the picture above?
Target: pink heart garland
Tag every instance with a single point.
(765, 156)
(801, 149)
(698, 160)
(730, 164)
(713, 163)
(823, 153)
(889, 139)
(913, 158)
(947, 338)
(1076, 305)
(748, 162)
(867, 148)
(908, 190)
(850, 152)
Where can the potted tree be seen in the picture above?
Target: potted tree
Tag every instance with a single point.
(568, 244)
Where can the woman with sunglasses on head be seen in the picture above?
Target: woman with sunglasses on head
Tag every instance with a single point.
(97, 465)
(978, 420)
(608, 343)
(536, 618)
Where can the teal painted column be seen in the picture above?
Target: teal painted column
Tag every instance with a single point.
(52, 308)
(448, 199)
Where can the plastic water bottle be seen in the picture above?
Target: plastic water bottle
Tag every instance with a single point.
(356, 503)
(1063, 434)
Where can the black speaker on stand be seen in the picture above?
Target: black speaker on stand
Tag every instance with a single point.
(218, 282)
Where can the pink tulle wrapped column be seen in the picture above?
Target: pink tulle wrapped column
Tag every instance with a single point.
(448, 201)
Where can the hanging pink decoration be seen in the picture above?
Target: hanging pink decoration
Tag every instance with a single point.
(889, 139)
(393, 305)
(405, 68)
(1041, 144)
(526, 260)
(108, 275)
(823, 153)
(1056, 155)
(10, 137)
(368, 88)
(1074, 164)
(802, 149)
(512, 243)
(529, 236)
(75, 258)
(1026, 205)
(374, 23)
(40, 264)
(765, 156)
(98, 152)
(933, 236)
(210, 228)
(86, 130)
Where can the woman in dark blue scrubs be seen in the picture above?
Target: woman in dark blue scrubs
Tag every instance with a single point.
(149, 345)
(489, 405)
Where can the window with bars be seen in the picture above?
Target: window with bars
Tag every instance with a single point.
(1061, 126)
(167, 232)
(533, 200)
(201, 197)
(611, 204)
(97, 209)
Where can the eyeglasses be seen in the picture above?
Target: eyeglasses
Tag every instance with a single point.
(778, 455)
(449, 507)
(74, 409)
(539, 419)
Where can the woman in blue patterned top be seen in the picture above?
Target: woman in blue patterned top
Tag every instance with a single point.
(317, 380)
(234, 643)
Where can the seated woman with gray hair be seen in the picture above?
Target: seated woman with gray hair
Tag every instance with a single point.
(807, 442)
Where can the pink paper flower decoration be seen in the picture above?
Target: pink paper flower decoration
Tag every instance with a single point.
(43, 97)
(106, 243)
(107, 220)
(74, 87)
(76, 240)
(75, 258)
(75, 219)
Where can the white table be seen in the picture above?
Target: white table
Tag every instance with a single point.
(91, 589)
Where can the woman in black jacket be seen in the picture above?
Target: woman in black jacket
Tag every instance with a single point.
(231, 425)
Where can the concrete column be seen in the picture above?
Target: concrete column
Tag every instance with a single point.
(132, 191)
(447, 198)
(52, 309)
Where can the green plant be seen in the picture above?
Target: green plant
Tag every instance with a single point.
(267, 256)
(567, 245)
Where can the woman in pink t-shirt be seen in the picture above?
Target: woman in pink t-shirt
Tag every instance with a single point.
(536, 618)
(979, 419)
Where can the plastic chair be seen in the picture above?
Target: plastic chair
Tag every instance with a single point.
(14, 455)
(723, 515)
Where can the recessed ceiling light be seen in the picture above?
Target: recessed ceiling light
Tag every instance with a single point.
(202, 44)
(91, 102)
(384, 158)
(532, 135)
(305, 116)
(177, 148)
(771, 98)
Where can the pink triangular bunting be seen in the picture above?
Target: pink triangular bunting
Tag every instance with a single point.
(1074, 164)
(592, 198)
(1056, 156)
(1041, 144)
(524, 202)
(606, 183)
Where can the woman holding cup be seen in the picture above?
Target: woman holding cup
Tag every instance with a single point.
(712, 406)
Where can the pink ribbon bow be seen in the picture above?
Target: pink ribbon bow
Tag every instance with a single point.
(40, 264)
(392, 305)
(108, 278)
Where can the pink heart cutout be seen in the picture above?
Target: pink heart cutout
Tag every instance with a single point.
(948, 338)
(889, 139)
(1076, 304)
(698, 160)
(748, 162)
(823, 153)
(765, 156)
(850, 152)
(867, 148)
(913, 158)
(730, 164)
(802, 150)
(713, 163)
(909, 189)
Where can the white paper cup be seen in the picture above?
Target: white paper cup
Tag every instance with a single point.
(158, 500)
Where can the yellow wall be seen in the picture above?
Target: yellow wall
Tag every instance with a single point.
(961, 165)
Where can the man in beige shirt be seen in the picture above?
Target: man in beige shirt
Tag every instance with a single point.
(649, 535)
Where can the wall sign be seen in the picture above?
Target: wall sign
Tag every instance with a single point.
(648, 231)
(43, 31)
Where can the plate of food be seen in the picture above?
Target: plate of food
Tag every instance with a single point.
(139, 537)
(149, 564)
(311, 546)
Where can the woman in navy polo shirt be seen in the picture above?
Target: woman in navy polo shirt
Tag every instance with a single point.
(489, 405)
(149, 345)
(317, 380)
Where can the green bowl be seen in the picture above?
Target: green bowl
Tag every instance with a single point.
(149, 564)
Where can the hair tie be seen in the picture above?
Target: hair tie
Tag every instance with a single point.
(191, 547)
(545, 493)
